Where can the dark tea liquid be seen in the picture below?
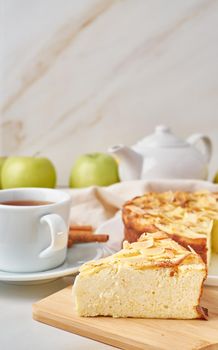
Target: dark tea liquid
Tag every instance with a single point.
(25, 203)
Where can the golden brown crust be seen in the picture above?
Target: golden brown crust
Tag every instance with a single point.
(202, 312)
(132, 235)
(153, 211)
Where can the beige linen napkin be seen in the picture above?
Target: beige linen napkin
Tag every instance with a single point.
(94, 205)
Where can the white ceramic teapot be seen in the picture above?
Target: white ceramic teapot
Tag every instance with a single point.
(163, 155)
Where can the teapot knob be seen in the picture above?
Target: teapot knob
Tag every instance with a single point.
(162, 128)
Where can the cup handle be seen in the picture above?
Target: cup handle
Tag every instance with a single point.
(59, 234)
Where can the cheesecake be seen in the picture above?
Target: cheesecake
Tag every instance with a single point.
(154, 277)
(188, 217)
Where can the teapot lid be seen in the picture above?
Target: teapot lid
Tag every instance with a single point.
(162, 137)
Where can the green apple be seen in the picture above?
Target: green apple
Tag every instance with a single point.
(215, 180)
(2, 160)
(28, 172)
(94, 169)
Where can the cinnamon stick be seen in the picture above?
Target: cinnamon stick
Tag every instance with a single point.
(85, 238)
(69, 243)
(81, 228)
(79, 232)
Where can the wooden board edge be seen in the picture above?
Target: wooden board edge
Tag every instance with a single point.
(90, 332)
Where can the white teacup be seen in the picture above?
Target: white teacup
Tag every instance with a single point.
(33, 237)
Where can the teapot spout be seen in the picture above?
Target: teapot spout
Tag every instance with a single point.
(130, 162)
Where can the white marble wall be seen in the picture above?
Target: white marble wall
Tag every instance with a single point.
(80, 75)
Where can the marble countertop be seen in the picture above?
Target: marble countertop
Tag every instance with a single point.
(96, 73)
(19, 331)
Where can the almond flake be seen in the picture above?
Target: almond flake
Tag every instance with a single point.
(153, 251)
(126, 245)
(169, 253)
(159, 235)
(192, 250)
(144, 244)
(135, 209)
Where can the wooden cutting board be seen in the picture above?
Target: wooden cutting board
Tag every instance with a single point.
(58, 310)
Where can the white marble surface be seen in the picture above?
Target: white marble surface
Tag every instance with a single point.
(19, 331)
(78, 76)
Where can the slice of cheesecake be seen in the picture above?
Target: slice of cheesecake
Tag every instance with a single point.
(152, 278)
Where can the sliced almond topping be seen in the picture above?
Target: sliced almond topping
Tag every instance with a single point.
(191, 258)
(153, 251)
(144, 236)
(143, 244)
(169, 243)
(126, 245)
(154, 235)
(159, 235)
(135, 209)
(165, 228)
(191, 249)
(169, 253)
(127, 253)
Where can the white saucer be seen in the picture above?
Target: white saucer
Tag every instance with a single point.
(76, 256)
(115, 229)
